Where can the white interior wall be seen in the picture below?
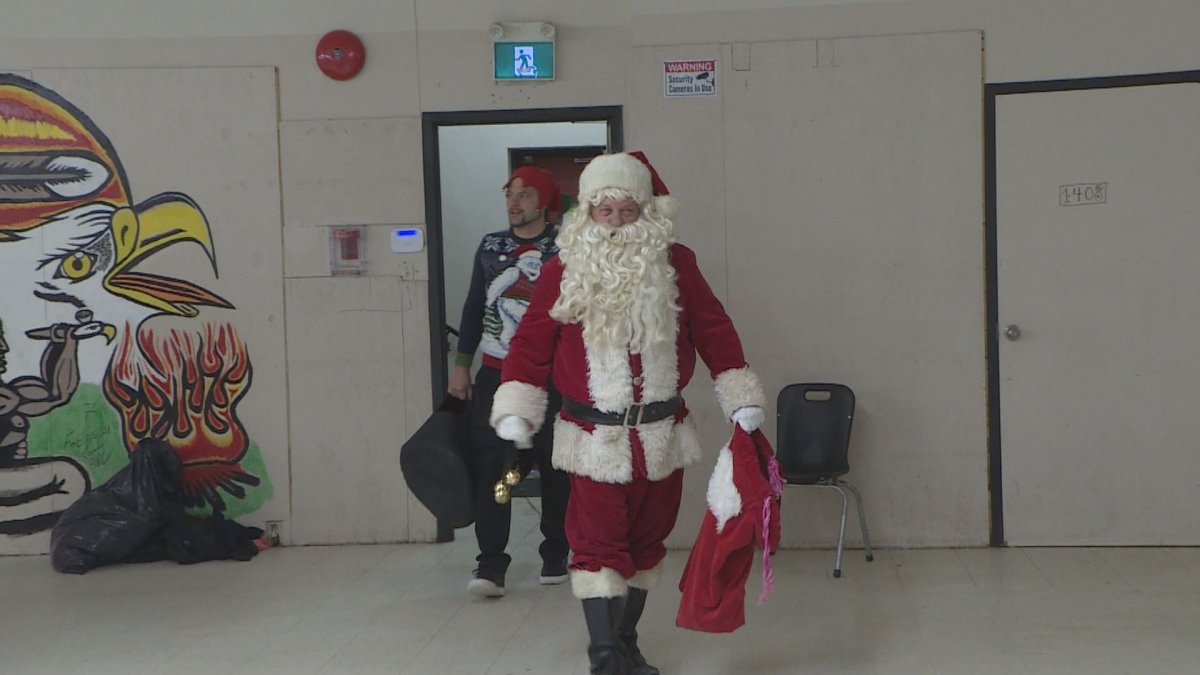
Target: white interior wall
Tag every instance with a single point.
(1027, 39)
(78, 19)
(474, 166)
(350, 151)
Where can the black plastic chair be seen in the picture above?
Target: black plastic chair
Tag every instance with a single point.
(812, 444)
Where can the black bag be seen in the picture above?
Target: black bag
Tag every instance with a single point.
(189, 539)
(435, 466)
(138, 516)
(109, 524)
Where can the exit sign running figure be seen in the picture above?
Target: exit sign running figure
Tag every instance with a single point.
(523, 60)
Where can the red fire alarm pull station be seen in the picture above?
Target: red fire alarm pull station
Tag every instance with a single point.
(346, 254)
(340, 54)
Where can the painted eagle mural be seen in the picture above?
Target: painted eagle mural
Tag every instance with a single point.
(71, 241)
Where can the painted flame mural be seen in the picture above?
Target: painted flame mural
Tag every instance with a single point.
(185, 389)
(82, 392)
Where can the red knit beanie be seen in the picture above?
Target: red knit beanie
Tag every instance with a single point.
(549, 194)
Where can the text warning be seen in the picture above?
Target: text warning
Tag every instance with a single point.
(689, 78)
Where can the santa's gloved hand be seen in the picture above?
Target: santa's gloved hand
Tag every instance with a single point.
(749, 418)
(515, 429)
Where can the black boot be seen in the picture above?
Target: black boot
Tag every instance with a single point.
(635, 602)
(604, 652)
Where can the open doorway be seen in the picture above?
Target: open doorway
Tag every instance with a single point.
(467, 157)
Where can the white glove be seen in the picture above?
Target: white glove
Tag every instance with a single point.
(749, 418)
(515, 429)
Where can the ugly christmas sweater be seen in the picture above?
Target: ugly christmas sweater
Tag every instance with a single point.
(502, 278)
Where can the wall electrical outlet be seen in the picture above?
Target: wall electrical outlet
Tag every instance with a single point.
(272, 528)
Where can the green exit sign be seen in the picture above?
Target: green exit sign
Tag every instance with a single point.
(523, 60)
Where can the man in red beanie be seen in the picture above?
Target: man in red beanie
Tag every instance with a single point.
(617, 319)
(506, 266)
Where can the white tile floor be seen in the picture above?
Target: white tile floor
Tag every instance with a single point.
(404, 609)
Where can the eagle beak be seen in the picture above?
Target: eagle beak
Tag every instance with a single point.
(148, 228)
(109, 332)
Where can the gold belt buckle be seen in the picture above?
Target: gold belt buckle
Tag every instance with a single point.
(641, 411)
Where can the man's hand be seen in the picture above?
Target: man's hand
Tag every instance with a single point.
(460, 383)
(515, 429)
(749, 418)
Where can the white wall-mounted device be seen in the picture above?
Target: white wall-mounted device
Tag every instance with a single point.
(408, 240)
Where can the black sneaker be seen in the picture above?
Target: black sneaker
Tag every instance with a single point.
(487, 586)
(553, 572)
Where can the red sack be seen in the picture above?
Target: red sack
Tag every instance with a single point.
(743, 514)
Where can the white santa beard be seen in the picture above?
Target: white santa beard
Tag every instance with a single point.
(618, 282)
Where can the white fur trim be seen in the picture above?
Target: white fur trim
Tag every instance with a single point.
(660, 365)
(723, 498)
(738, 388)
(610, 382)
(607, 583)
(603, 455)
(621, 171)
(521, 399)
(606, 455)
(667, 206)
(647, 579)
(669, 446)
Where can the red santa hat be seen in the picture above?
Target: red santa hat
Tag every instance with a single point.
(549, 194)
(630, 172)
(743, 514)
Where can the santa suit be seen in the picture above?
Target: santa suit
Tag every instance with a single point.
(626, 480)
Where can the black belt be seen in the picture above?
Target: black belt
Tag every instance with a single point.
(638, 413)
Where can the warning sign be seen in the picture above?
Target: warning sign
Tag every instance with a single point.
(689, 78)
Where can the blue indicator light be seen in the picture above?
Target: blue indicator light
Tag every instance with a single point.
(407, 233)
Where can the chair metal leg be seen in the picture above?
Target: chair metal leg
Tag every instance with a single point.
(862, 520)
(838, 484)
(837, 563)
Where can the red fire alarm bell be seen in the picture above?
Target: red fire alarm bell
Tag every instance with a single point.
(340, 54)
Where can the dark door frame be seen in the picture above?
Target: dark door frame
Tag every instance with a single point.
(991, 91)
(431, 122)
(553, 151)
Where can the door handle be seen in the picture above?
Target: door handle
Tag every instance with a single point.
(1012, 331)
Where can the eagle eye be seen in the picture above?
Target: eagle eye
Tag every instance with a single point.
(77, 266)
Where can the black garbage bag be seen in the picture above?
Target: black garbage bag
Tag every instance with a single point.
(214, 538)
(110, 523)
(188, 540)
(138, 516)
(434, 462)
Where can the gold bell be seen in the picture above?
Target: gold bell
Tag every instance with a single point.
(512, 477)
(501, 492)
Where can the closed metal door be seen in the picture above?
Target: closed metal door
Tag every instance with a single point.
(1099, 315)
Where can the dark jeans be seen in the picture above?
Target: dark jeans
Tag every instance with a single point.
(492, 456)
